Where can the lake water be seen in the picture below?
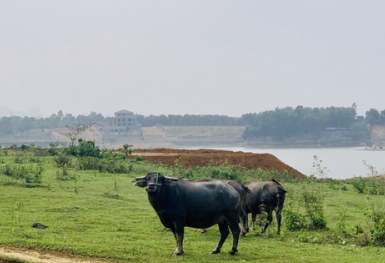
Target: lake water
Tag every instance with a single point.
(340, 163)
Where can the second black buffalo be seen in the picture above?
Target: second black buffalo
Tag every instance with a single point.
(265, 197)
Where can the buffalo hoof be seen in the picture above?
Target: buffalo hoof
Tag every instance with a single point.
(215, 251)
(232, 251)
(178, 253)
(202, 230)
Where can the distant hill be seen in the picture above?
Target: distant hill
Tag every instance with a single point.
(8, 112)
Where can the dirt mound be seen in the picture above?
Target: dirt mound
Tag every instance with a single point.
(203, 157)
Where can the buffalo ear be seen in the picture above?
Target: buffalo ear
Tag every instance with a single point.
(141, 184)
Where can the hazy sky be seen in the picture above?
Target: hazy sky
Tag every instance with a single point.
(191, 57)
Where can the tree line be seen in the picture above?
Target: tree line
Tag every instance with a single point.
(15, 124)
(278, 123)
(288, 122)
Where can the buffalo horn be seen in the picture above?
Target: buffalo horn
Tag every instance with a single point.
(171, 178)
(140, 178)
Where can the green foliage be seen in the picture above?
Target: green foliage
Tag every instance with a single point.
(294, 220)
(287, 122)
(179, 171)
(374, 117)
(28, 173)
(342, 216)
(108, 165)
(225, 173)
(313, 202)
(52, 150)
(64, 175)
(35, 176)
(84, 148)
(377, 225)
(311, 198)
(127, 149)
(359, 184)
(374, 184)
(62, 160)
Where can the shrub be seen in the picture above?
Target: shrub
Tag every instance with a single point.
(359, 183)
(88, 163)
(314, 208)
(52, 149)
(62, 160)
(370, 185)
(377, 226)
(108, 165)
(63, 175)
(224, 173)
(87, 148)
(83, 149)
(294, 221)
(29, 174)
(34, 176)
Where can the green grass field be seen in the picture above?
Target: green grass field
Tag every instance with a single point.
(102, 216)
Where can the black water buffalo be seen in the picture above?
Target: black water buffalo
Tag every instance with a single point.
(181, 203)
(264, 197)
(242, 191)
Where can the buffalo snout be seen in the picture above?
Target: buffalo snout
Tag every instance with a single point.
(151, 188)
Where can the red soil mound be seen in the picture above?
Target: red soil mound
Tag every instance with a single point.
(203, 157)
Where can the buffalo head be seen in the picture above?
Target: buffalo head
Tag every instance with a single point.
(152, 180)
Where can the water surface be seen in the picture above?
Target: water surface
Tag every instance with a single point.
(339, 163)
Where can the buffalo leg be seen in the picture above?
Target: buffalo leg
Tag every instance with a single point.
(269, 219)
(279, 218)
(253, 219)
(244, 223)
(178, 234)
(235, 230)
(224, 230)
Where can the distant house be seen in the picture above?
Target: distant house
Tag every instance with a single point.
(122, 122)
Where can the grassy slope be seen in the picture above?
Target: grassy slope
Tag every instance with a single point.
(118, 224)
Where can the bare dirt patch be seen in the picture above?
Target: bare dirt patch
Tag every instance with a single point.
(203, 157)
(37, 257)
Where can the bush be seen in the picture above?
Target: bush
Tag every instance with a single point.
(83, 149)
(377, 226)
(294, 221)
(108, 165)
(29, 174)
(35, 176)
(370, 185)
(314, 208)
(64, 175)
(52, 149)
(62, 160)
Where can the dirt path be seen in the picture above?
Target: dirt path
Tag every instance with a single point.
(37, 257)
